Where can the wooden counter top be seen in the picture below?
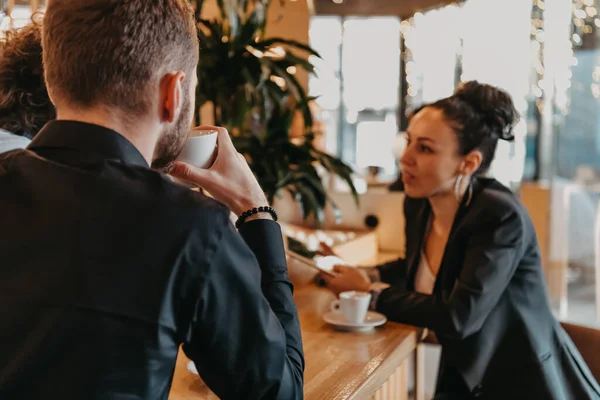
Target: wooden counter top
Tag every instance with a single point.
(339, 365)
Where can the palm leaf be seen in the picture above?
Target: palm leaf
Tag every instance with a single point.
(263, 45)
(338, 168)
(297, 61)
(298, 91)
(214, 27)
(248, 30)
(258, 111)
(310, 204)
(222, 9)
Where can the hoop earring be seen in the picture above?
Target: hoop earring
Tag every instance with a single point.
(470, 194)
(459, 179)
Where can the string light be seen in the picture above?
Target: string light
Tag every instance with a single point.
(540, 35)
(407, 29)
(585, 20)
(595, 90)
(595, 86)
(541, 5)
(417, 32)
(579, 13)
(538, 38)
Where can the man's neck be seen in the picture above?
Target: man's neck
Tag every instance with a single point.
(139, 132)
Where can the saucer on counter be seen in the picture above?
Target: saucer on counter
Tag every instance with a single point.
(339, 322)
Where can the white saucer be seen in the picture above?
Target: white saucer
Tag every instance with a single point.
(339, 322)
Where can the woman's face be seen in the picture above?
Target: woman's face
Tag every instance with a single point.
(431, 161)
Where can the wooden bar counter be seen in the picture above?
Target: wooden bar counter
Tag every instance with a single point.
(339, 365)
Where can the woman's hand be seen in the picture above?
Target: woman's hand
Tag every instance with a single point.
(347, 279)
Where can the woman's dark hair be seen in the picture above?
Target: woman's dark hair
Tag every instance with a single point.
(24, 103)
(480, 114)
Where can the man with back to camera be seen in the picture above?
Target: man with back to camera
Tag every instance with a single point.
(106, 265)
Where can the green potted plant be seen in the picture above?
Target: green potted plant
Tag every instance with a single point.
(250, 81)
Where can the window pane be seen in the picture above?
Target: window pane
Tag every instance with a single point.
(501, 57)
(374, 144)
(326, 38)
(371, 63)
(573, 52)
(434, 42)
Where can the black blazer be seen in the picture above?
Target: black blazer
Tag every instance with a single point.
(489, 308)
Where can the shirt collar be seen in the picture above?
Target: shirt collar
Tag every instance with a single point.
(88, 138)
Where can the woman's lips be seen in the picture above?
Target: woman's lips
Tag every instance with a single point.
(408, 178)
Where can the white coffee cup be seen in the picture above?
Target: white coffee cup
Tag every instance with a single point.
(353, 305)
(200, 149)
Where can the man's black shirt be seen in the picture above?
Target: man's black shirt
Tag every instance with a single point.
(107, 267)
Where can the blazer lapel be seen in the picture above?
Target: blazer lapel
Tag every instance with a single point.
(413, 247)
(445, 272)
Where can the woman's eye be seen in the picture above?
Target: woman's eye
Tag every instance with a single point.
(425, 149)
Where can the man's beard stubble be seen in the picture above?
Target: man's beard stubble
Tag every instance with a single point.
(172, 141)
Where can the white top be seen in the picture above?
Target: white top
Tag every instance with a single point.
(8, 141)
(424, 279)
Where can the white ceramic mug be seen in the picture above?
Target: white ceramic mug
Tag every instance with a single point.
(353, 305)
(200, 149)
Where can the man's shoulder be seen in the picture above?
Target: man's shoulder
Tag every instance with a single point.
(170, 199)
(198, 207)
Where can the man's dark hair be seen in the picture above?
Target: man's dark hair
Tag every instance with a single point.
(112, 52)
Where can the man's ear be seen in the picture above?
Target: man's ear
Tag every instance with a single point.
(171, 96)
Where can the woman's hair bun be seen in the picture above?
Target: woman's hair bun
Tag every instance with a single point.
(494, 105)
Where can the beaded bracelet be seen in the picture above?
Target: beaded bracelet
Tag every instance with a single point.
(263, 209)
